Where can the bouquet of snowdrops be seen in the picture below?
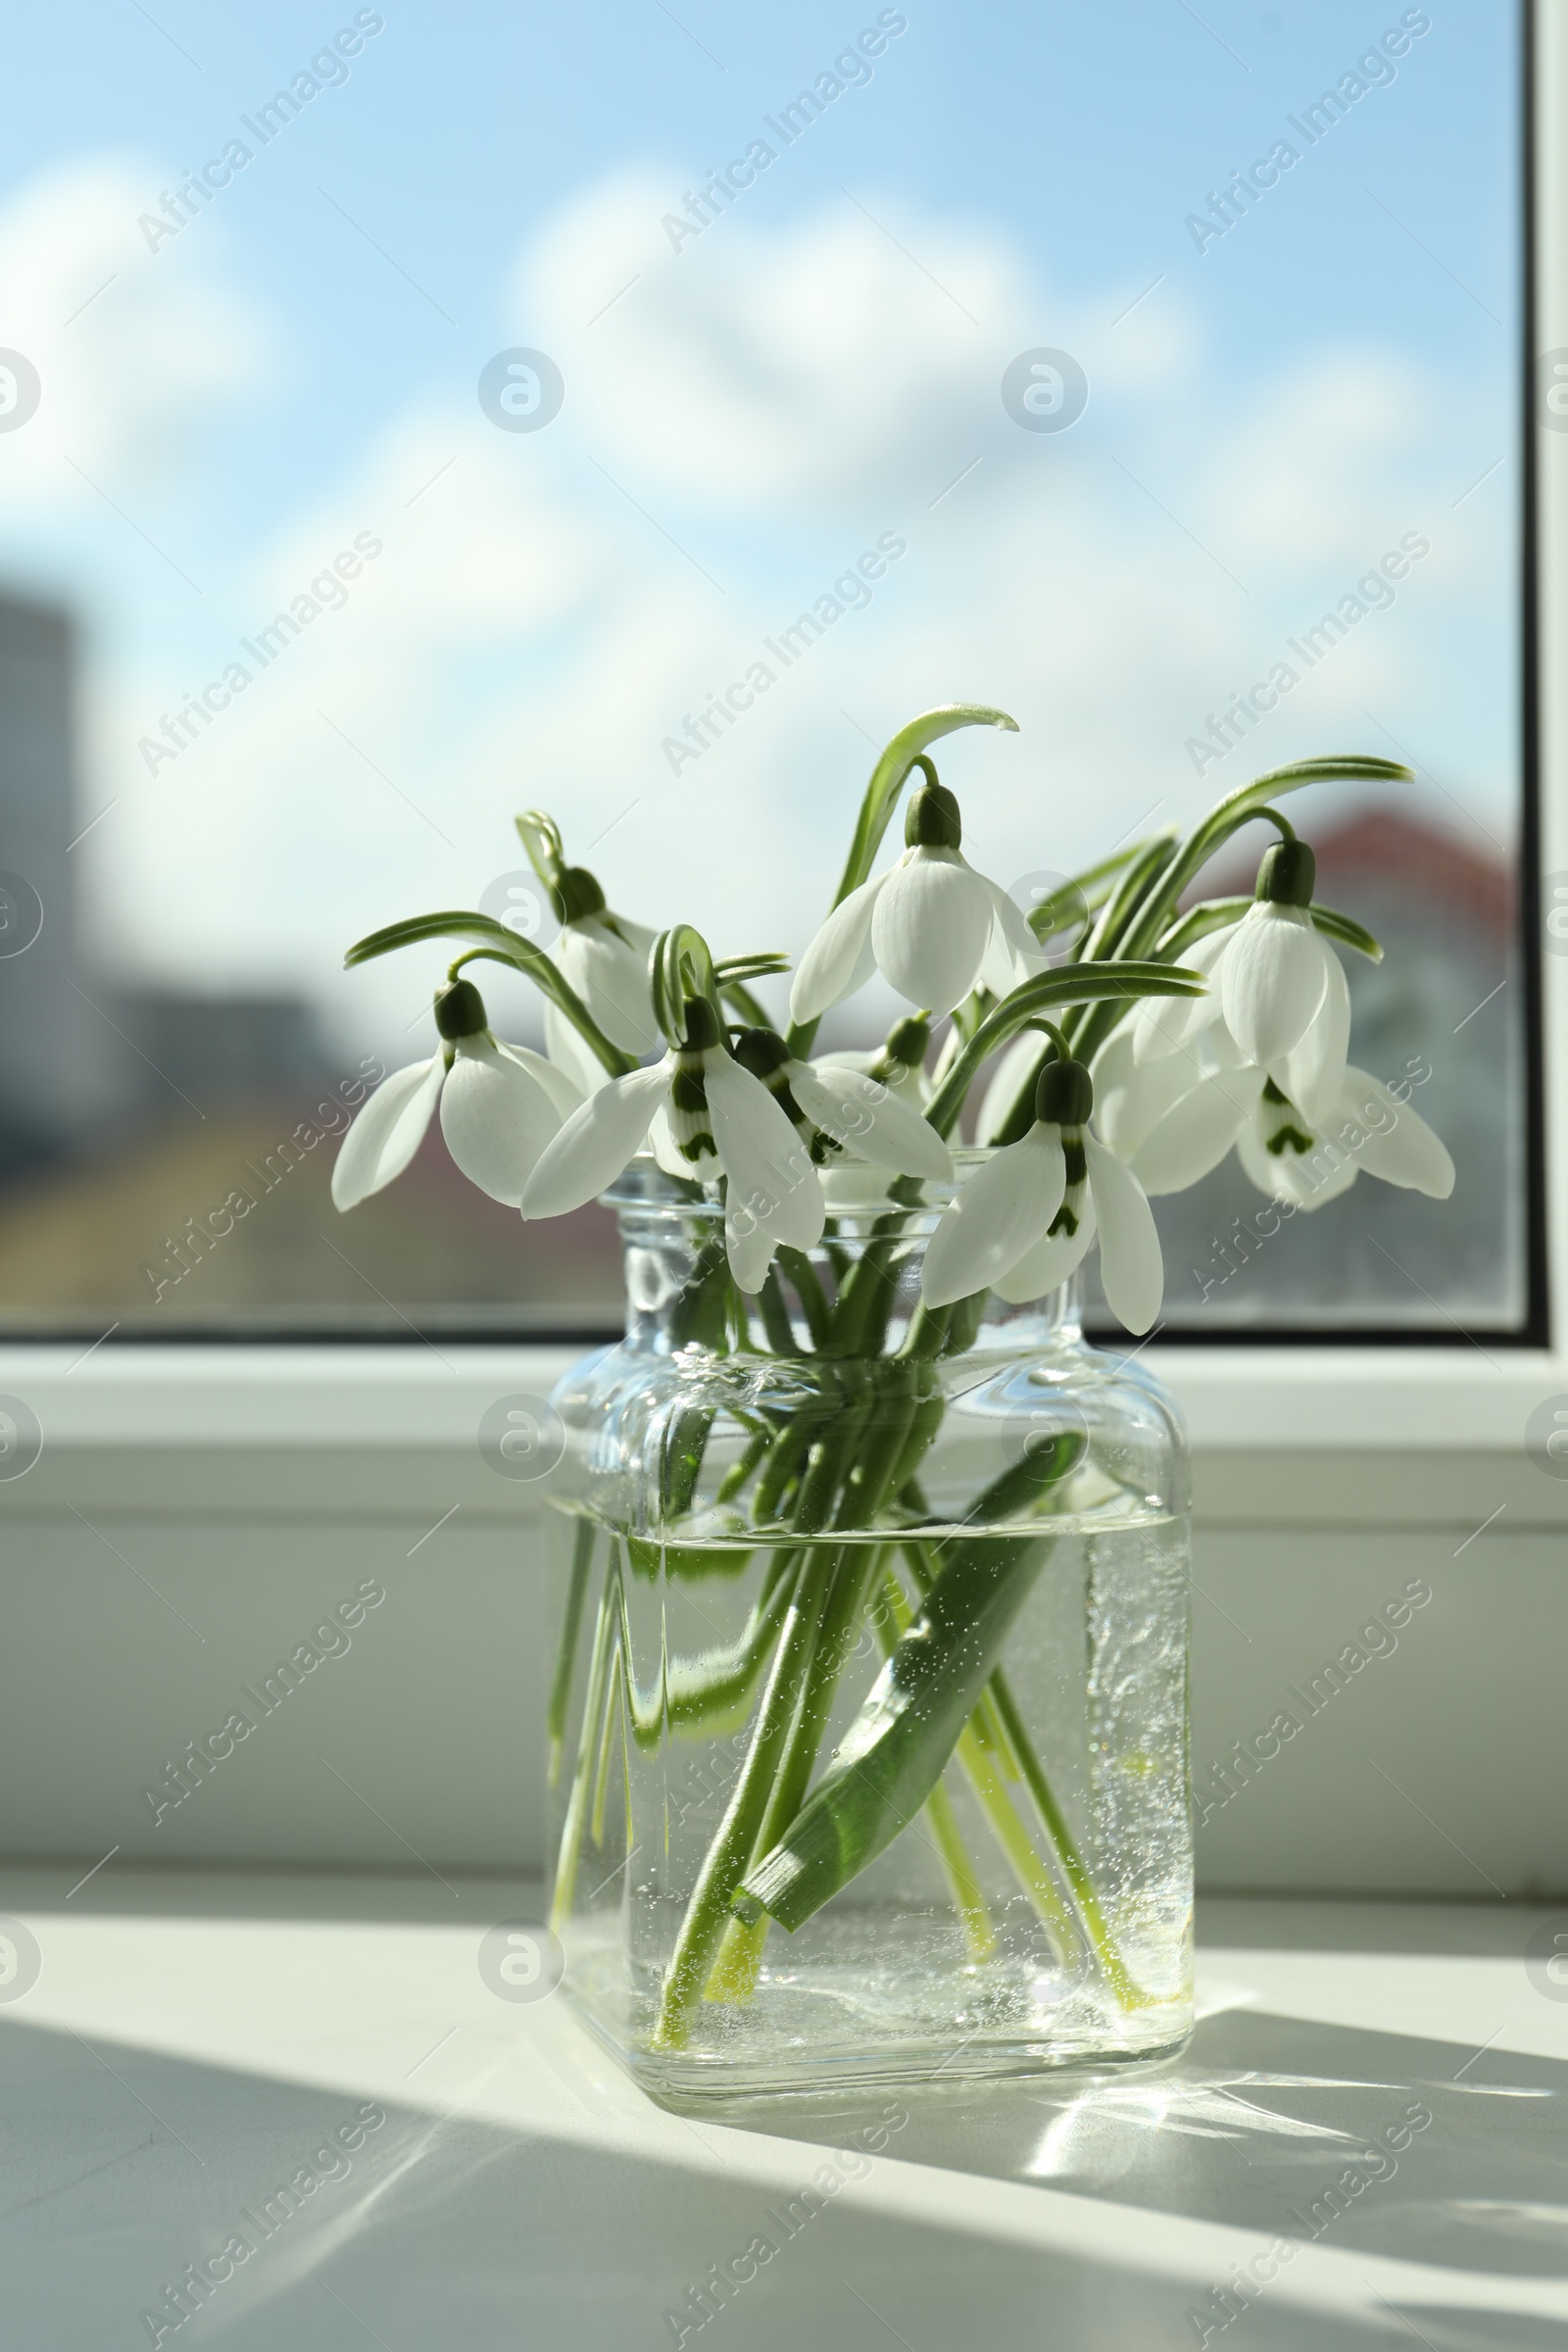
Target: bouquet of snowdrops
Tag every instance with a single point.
(1171, 1030)
(1170, 1034)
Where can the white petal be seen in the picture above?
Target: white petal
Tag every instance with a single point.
(1161, 1025)
(558, 1084)
(869, 1120)
(1013, 950)
(930, 926)
(773, 1190)
(1313, 1071)
(388, 1133)
(1132, 1096)
(496, 1119)
(670, 1156)
(1272, 981)
(908, 1080)
(839, 959)
(1013, 1071)
(1307, 1179)
(1195, 1135)
(853, 1186)
(570, 1050)
(1001, 1211)
(609, 973)
(1398, 1146)
(595, 1143)
(1132, 1271)
(1053, 1257)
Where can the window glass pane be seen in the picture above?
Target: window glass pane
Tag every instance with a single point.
(415, 418)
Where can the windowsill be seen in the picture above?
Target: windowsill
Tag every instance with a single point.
(507, 2163)
(1364, 1400)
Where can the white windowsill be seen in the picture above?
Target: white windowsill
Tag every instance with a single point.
(1291, 1399)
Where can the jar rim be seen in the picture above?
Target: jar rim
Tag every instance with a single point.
(858, 1187)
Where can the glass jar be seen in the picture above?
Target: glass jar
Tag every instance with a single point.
(869, 1714)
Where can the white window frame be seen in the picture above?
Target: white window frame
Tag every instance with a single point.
(1474, 1394)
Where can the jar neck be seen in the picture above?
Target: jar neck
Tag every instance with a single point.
(863, 1278)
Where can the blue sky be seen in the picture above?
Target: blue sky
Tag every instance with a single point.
(223, 415)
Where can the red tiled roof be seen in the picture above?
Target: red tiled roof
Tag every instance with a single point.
(1381, 849)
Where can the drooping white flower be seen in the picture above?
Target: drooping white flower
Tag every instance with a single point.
(1277, 991)
(1277, 969)
(1285, 1156)
(855, 1111)
(499, 1104)
(1027, 1217)
(931, 925)
(605, 956)
(715, 1119)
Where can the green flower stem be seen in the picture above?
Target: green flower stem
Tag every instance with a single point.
(1094, 886)
(968, 1895)
(1104, 937)
(811, 1656)
(1026, 1863)
(1128, 1993)
(1070, 984)
(702, 1930)
(1014, 1737)
(587, 1749)
(613, 1681)
(712, 1700)
(739, 1473)
(582, 1552)
(500, 946)
(777, 1316)
(809, 1292)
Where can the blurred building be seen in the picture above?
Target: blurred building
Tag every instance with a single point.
(129, 1115)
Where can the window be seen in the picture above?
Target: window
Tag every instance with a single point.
(407, 422)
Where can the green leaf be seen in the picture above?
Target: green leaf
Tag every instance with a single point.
(685, 1562)
(1346, 930)
(1236, 811)
(1214, 914)
(898, 1748)
(1066, 984)
(499, 945)
(681, 966)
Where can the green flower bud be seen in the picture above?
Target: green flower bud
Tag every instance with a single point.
(1287, 874)
(703, 1030)
(460, 1009)
(931, 820)
(908, 1041)
(1064, 1094)
(761, 1051)
(575, 894)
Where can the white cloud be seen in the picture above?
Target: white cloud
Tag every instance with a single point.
(773, 398)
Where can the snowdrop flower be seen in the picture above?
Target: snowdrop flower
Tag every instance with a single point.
(1277, 992)
(931, 925)
(605, 956)
(500, 1107)
(1027, 1217)
(718, 1120)
(1369, 1128)
(1277, 967)
(855, 1111)
(1173, 1121)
